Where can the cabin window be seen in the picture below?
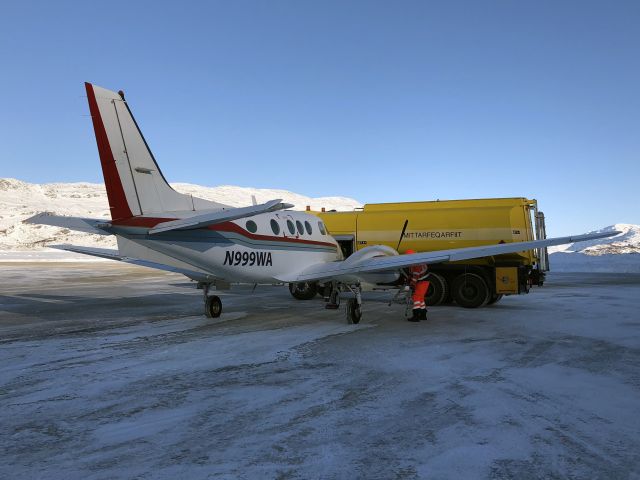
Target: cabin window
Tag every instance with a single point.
(292, 229)
(307, 227)
(300, 227)
(251, 226)
(275, 227)
(321, 228)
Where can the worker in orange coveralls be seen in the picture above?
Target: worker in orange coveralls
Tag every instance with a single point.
(419, 286)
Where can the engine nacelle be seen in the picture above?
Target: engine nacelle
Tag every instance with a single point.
(370, 279)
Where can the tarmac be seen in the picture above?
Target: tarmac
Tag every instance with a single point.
(112, 371)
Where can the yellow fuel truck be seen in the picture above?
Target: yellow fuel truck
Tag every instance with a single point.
(442, 225)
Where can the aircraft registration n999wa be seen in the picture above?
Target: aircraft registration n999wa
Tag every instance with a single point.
(217, 245)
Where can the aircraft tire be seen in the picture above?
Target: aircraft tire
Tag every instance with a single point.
(438, 290)
(303, 290)
(354, 311)
(470, 290)
(213, 306)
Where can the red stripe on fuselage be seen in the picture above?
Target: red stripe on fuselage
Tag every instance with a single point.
(115, 193)
(147, 222)
(150, 222)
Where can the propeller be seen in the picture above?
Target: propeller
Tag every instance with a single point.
(404, 228)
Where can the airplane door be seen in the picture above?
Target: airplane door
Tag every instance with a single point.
(347, 244)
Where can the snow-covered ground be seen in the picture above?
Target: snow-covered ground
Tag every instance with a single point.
(120, 376)
(604, 263)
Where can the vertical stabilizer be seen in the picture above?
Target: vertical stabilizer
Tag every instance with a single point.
(135, 185)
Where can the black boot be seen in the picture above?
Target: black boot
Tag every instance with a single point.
(416, 316)
(423, 314)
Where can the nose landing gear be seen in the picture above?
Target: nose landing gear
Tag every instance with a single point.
(354, 311)
(353, 295)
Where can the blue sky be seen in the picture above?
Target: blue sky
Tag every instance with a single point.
(380, 101)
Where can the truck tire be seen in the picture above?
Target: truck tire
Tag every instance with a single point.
(324, 291)
(469, 290)
(303, 290)
(495, 298)
(438, 290)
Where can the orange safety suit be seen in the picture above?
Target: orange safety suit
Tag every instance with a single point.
(419, 285)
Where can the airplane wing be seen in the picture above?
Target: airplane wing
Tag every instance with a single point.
(89, 225)
(323, 271)
(220, 216)
(111, 254)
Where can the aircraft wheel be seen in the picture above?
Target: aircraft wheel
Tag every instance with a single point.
(354, 311)
(303, 290)
(470, 290)
(438, 290)
(213, 306)
(495, 298)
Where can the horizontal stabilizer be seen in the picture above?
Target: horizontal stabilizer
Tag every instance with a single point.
(88, 225)
(220, 216)
(396, 262)
(111, 254)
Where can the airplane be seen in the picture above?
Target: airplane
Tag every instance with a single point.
(217, 245)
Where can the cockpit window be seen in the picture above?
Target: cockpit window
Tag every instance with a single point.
(307, 227)
(300, 227)
(275, 227)
(321, 228)
(251, 226)
(292, 229)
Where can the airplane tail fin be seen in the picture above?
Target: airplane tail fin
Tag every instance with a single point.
(135, 185)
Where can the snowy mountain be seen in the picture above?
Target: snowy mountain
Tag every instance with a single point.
(20, 200)
(617, 254)
(627, 242)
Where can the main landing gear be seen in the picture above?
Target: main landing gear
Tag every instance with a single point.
(212, 303)
(353, 295)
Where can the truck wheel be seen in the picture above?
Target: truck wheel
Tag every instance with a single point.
(438, 290)
(303, 290)
(325, 290)
(495, 298)
(470, 290)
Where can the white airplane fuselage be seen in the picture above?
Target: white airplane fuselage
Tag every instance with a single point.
(258, 249)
